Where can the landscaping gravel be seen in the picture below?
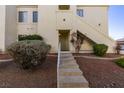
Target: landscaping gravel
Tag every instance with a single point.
(102, 73)
(45, 76)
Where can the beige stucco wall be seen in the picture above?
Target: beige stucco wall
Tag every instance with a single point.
(50, 20)
(88, 25)
(95, 35)
(86, 47)
(26, 27)
(96, 15)
(47, 25)
(2, 27)
(7, 26)
(10, 27)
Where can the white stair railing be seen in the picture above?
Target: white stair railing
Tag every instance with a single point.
(58, 63)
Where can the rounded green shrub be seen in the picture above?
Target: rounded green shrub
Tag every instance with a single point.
(100, 49)
(29, 37)
(120, 62)
(29, 53)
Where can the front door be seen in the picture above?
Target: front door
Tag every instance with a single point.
(64, 39)
(27, 19)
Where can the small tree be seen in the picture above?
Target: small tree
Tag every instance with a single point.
(76, 42)
(118, 48)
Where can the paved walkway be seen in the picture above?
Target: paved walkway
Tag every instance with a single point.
(91, 57)
(70, 76)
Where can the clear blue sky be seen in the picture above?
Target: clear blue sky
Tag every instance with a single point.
(116, 21)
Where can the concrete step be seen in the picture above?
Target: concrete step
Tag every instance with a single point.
(73, 85)
(65, 52)
(69, 67)
(66, 55)
(66, 59)
(68, 64)
(73, 81)
(70, 73)
(70, 70)
(63, 55)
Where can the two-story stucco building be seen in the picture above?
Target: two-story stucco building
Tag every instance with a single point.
(51, 21)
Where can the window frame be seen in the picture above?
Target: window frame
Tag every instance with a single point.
(33, 16)
(80, 12)
(22, 18)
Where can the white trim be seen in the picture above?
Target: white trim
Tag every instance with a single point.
(5, 60)
(90, 57)
(58, 63)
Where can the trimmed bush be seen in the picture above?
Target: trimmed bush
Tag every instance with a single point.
(29, 37)
(29, 53)
(100, 49)
(120, 62)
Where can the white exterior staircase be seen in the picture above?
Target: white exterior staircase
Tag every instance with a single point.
(94, 34)
(70, 76)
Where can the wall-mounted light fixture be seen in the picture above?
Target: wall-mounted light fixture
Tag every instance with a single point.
(99, 24)
(63, 19)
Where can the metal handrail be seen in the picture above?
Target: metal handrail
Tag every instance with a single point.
(58, 63)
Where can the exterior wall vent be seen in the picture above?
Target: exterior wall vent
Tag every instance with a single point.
(64, 7)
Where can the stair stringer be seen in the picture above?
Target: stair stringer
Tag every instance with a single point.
(94, 34)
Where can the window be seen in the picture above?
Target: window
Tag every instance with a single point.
(35, 16)
(23, 16)
(64, 7)
(80, 12)
(122, 47)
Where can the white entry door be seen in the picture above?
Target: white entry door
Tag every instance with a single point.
(27, 19)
